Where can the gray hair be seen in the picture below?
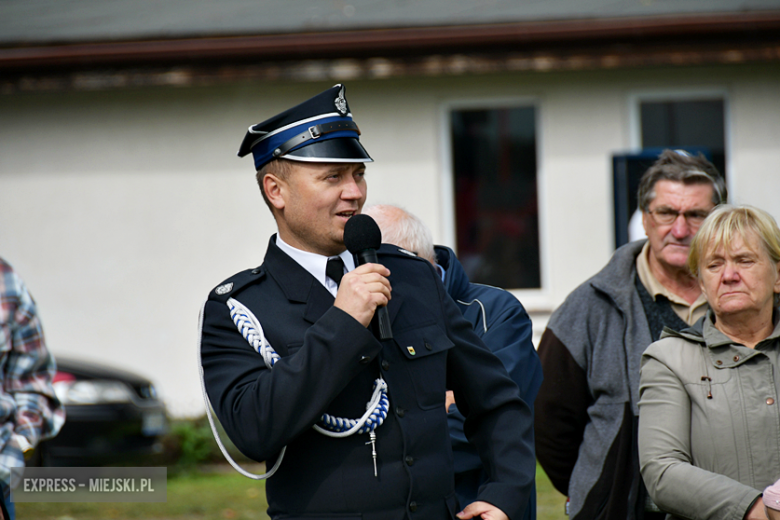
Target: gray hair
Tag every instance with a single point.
(680, 166)
(403, 229)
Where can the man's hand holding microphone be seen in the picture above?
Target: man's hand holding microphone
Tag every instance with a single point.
(365, 292)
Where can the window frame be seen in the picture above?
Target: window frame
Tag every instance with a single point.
(534, 300)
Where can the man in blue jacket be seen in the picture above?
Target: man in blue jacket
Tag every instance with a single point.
(497, 317)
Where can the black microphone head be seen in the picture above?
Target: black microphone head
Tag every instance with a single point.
(361, 232)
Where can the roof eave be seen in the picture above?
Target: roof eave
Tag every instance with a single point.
(416, 41)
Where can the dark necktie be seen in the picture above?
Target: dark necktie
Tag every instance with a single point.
(335, 269)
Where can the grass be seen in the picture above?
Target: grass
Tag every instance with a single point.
(219, 496)
(194, 496)
(549, 503)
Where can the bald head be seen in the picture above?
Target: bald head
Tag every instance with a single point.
(403, 229)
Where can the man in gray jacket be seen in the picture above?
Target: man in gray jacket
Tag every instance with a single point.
(586, 410)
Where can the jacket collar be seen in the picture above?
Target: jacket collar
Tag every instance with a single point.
(694, 333)
(715, 338)
(704, 331)
(616, 279)
(300, 286)
(723, 351)
(297, 283)
(455, 279)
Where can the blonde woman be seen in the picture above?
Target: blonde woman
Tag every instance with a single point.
(709, 422)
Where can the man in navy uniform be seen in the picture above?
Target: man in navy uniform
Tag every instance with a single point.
(289, 362)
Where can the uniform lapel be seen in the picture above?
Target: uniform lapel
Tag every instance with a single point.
(297, 283)
(319, 302)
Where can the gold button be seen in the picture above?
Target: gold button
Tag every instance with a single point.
(770, 401)
(719, 362)
(736, 358)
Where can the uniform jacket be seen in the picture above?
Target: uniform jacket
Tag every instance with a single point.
(585, 411)
(329, 362)
(708, 458)
(500, 320)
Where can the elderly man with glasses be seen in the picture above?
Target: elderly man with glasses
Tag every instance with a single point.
(586, 411)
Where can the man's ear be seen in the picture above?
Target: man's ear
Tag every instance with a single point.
(275, 189)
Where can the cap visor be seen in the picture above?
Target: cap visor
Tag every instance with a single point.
(343, 149)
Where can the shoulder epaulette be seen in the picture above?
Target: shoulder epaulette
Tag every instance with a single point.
(393, 250)
(237, 282)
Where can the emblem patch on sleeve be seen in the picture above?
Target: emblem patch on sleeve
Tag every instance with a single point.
(224, 288)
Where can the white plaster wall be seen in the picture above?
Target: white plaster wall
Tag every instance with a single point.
(122, 209)
(755, 134)
(582, 127)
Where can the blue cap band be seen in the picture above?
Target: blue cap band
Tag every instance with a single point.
(263, 152)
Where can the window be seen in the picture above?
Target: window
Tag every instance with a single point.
(494, 181)
(686, 124)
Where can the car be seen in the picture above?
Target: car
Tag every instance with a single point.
(113, 417)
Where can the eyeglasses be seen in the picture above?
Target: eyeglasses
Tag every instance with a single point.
(664, 216)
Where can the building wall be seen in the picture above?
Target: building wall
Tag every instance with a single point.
(123, 208)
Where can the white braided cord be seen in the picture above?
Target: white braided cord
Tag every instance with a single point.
(213, 426)
(249, 327)
(376, 409)
(376, 412)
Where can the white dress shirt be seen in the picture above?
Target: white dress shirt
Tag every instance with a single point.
(315, 263)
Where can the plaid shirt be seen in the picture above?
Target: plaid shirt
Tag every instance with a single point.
(28, 406)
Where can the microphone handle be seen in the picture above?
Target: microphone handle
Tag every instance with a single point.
(380, 323)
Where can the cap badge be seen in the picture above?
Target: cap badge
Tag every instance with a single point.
(224, 289)
(411, 350)
(341, 103)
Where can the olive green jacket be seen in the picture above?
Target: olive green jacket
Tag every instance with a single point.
(709, 422)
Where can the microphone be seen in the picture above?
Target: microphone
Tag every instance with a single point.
(363, 237)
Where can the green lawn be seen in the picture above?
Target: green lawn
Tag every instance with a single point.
(549, 503)
(218, 496)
